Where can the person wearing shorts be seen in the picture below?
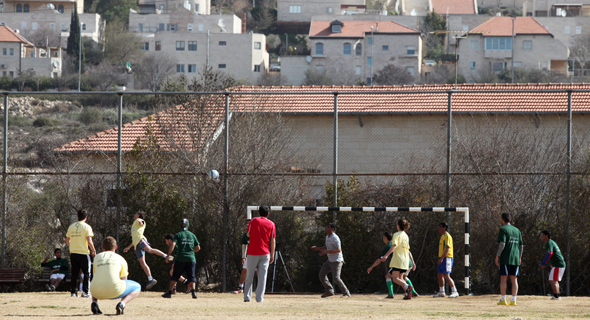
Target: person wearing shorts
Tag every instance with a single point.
(142, 246)
(445, 262)
(110, 278)
(400, 260)
(58, 267)
(185, 261)
(508, 258)
(245, 242)
(169, 238)
(556, 261)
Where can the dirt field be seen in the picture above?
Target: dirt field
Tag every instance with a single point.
(228, 306)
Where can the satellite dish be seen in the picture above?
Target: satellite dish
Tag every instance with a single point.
(498, 14)
(221, 23)
(563, 13)
(413, 13)
(16, 31)
(50, 6)
(308, 59)
(56, 64)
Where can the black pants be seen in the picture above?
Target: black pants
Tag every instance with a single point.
(80, 262)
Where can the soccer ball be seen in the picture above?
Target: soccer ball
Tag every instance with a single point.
(214, 175)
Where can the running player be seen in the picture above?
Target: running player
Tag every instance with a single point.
(400, 259)
(185, 260)
(555, 259)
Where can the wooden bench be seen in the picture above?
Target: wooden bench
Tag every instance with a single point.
(12, 276)
(45, 276)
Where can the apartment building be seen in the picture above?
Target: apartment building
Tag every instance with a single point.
(167, 6)
(19, 55)
(553, 8)
(183, 20)
(27, 6)
(489, 48)
(353, 47)
(303, 10)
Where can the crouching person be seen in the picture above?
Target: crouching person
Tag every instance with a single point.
(110, 278)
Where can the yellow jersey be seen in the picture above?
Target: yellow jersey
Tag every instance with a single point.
(108, 270)
(400, 258)
(446, 241)
(78, 233)
(137, 230)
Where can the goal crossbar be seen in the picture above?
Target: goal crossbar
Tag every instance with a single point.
(465, 211)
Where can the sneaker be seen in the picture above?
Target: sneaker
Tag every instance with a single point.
(439, 295)
(238, 290)
(52, 288)
(85, 295)
(120, 308)
(74, 295)
(194, 294)
(409, 292)
(454, 294)
(327, 294)
(95, 309)
(246, 300)
(408, 297)
(346, 295)
(167, 295)
(151, 283)
(48, 287)
(174, 290)
(512, 303)
(389, 296)
(502, 303)
(555, 298)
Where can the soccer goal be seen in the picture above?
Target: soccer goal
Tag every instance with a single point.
(465, 211)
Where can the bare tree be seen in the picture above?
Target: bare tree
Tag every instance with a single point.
(120, 45)
(317, 77)
(580, 50)
(69, 72)
(393, 75)
(271, 79)
(42, 37)
(439, 74)
(22, 77)
(105, 76)
(486, 75)
(153, 70)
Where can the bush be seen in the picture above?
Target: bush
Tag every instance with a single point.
(17, 121)
(90, 115)
(45, 122)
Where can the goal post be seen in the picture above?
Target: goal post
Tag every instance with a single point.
(465, 211)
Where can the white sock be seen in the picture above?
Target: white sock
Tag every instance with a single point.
(406, 286)
(241, 286)
(150, 278)
(454, 289)
(388, 280)
(513, 298)
(441, 289)
(123, 304)
(503, 298)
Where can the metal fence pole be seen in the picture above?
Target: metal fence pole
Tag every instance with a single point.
(335, 178)
(119, 165)
(448, 175)
(5, 188)
(225, 194)
(568, 209)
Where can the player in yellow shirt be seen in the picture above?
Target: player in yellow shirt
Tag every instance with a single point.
(79, 238)
(110, 278)
(142, 246)
(400, 261)
(445, 262)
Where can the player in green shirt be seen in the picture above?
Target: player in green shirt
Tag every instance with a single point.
(58, 267)
(169, 238)
(509, 257)
(245, 242)
(185, 261)
(555, 259)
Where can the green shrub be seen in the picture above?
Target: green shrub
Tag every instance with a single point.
(90, 116)
(45, 122)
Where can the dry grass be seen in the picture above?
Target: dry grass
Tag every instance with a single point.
(228, 306)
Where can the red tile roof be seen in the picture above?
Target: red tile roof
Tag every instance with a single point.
(8, 35)
(502, 27)
(357, 29)
(402, 100)
(453, 6)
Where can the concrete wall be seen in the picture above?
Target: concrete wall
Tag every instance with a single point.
(293, 68)
(151, 23)
(11, 62)
(167, 6)
(564, 29)
(43, 66)
(311, 8)
(408, 21)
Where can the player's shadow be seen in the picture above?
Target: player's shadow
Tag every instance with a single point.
(56, 315)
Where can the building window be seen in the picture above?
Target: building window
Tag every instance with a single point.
(257, 68)
(11, 51)
(499, 43)
(83, 26)
(34, 25)
(567, 30)
(60, 8)
(221, 66)
(410, 50)
(472, 65)
(179, 45)
(328, 10)
(64, 27)
(19, 7)
(192, 68)
(474, 44)
(359, 49)
(257, 45)
(201, 27)
(498, 66)
(222, 43)
(518, 64)
(161, 27)
(189, 27)
(336, 28)
(4, 73)
(196, 7)
(192, 46)
(173, 27)
(180, 68)
(347, 49)
(11, 73)
(145, 46)
(370, 41)
(385, 48)
(294, 9)
(162, 8)
(358, 70)
(23, 25)
(32, 54)
(158, 45)
(26, 7)
(527, 45)
(578, 30)
(140, 28)
(4, 51)
(319, 48)
(369, 61)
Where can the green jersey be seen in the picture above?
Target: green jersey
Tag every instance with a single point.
(59, 265)
(387, 247)
(245, 239)
(186, 242)
(511, 236)
(556, 258)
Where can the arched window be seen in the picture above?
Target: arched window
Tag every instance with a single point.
(319, 48)
(359, 49)
(19, 8)
(60, 8)
(26, 7)
(347, 49)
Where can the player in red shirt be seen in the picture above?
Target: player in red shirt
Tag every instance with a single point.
(261, 253)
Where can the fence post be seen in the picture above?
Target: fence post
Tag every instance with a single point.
(4, 189)
(119, 165)
(335, 175)
(448, 175)
(225, 194)
(569, 187)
